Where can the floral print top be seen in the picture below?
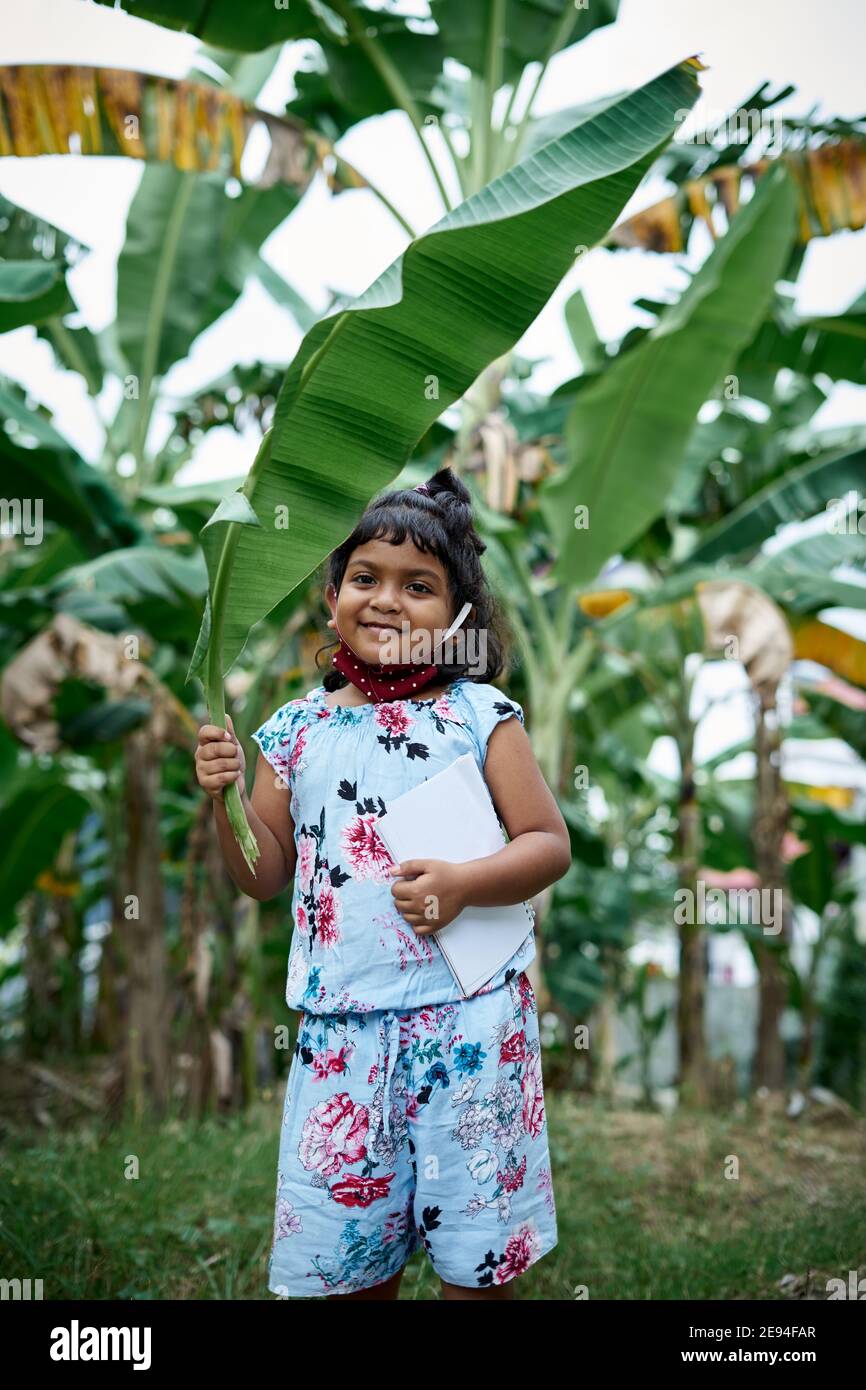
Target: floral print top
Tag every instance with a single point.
(351, 949)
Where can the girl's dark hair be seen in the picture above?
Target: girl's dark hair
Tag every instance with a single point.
(439, 522)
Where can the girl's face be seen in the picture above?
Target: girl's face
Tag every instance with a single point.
(384, 588)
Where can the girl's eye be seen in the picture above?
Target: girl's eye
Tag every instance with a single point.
(425, 588)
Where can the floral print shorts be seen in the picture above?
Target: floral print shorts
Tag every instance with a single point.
(408, 1127)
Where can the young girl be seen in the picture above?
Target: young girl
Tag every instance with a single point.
(413, 1115)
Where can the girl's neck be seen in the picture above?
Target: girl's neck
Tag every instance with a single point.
(354, 698)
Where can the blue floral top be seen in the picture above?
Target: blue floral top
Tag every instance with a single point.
(351, 949)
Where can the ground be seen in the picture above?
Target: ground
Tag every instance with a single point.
(737, 1206)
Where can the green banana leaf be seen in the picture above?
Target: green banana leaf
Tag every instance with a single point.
(629, 430)
(147, 586)
(583, 333)
(188, 251)
(36, 461)
(530, 30)
(835, 345)
(32, 291)
(800, 577)
(225, 24)
(35, 814)
(802, 493)
(840, 721)
(371, 378)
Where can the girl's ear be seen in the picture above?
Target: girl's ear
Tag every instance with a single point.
(331, 600)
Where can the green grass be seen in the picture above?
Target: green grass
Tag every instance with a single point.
(643, 1206)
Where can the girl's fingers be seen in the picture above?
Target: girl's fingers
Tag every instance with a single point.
(220, 779)
(222, 765)
(219, 750)
(212, 733)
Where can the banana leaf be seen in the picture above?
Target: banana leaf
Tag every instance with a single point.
(37, 462)
(188, 251)
(38, 809)
(372, 377)
(801, 494)
(224, 24)
(32, 291)
(628, 432)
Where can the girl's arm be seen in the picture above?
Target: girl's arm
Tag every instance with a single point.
(271, 822)
(539, 848)
(430, 893)
(220, 761)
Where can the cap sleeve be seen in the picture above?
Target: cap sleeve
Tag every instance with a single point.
(277, 737)
(489, 707)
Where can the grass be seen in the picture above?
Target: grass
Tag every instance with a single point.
(644, 1207)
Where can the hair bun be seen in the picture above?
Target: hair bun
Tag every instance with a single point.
(455, 502)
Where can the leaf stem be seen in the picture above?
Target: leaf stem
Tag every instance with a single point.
(214, 688)
(364, 182)
(395, 84)
(560, 38)
(156, 311)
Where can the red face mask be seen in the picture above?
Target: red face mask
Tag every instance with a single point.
(381, 681)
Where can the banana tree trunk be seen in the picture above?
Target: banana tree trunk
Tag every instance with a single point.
(550, 690)
(39, 1001)
(770, 823)
(148, 1000)
(692, 1078)
(604, 1044)
(109, 1027)
(194, 922)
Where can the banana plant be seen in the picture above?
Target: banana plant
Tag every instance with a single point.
(369, 61)
(626, 436)
(372, 377)
(629, 428)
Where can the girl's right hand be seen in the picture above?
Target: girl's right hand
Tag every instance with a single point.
(219, 758)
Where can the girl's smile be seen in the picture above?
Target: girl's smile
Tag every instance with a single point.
(391, 592)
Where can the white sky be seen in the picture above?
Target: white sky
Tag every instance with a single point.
(344, 243)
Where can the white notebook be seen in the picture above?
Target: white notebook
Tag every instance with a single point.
(451, 816)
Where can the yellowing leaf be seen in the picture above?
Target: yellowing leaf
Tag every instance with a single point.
(830, 182)
(829, 646)
(839, 798)
(606, 601)
(64, 109)
(57, 887)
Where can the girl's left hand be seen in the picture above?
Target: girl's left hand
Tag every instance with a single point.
(432, 897)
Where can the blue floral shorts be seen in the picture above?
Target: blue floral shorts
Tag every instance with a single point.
(421, 1126)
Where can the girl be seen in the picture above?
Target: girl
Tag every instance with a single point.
(412, 1115)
